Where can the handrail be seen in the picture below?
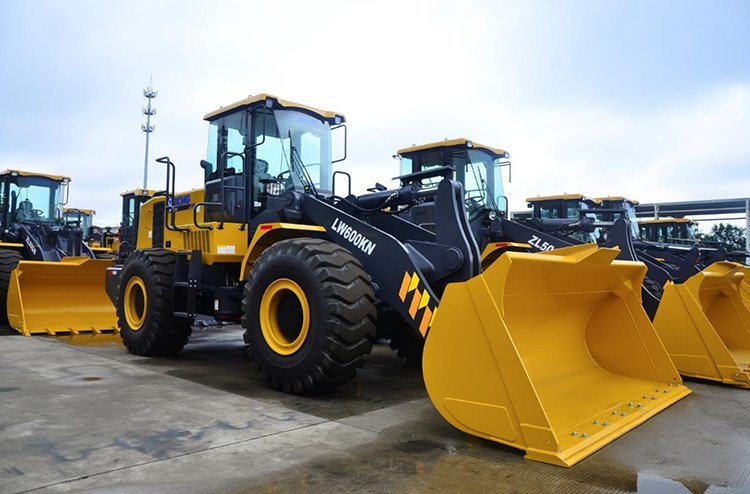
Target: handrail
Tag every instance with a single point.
(170, 223)
(195, 214)
(222, 187)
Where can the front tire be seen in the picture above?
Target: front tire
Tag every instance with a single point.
(308, 313)
(9, 259)
(144, 305)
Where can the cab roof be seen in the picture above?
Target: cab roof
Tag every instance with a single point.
(22, 173)
(562, 197)
(667, 220)
(617, 199)
(89, 212)
(460, 142)
(140, 192)
(274, 101)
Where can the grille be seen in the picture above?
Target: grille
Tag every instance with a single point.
(197, 240)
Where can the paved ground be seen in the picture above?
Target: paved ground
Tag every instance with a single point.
(84, 415)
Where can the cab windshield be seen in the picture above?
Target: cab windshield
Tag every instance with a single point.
(688, 231)
(284, 141)
(633, 219)
(581, 209)
(483, 183)
(34, 200)
(86, 219)
(296, 149)
(475, 169)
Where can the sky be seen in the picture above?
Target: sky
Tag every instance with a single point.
(646, 99)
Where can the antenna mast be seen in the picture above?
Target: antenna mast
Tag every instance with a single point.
(149, 111)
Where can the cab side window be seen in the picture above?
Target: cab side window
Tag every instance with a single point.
(233, 141)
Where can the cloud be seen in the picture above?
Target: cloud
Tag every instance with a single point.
(541, 81)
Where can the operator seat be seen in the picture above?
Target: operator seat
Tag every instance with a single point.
(25, 211)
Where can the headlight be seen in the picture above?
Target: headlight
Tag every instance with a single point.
(273, 188)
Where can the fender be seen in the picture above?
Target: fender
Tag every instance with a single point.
(268, 234)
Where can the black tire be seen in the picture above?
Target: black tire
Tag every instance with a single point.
(8, 261)
(340, 301)
(407, 345)
(160, 332)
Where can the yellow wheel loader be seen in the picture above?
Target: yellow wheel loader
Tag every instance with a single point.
(50, 281)
(697, 311)
(125, 240)
(701, 317)
(551, 353)
(667, 230)
(99, 240)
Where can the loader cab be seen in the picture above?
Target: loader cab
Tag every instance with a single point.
(83, 217)
(31, 198)
(570, 207)
(132, 200)
(668, 230)
(477, 168)
(264, 146)
(628, 208)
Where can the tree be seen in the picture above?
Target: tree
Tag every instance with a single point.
(733, 237)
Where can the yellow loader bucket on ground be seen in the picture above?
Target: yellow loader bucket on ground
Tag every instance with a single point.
(705, 325)
(60, 297)
(745, 286)
(551, 353)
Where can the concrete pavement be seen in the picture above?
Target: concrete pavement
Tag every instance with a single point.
(82, 414)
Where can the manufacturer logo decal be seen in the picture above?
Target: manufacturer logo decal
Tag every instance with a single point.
(537, 243)
(357, 239)
(179, 201)
(30, 245)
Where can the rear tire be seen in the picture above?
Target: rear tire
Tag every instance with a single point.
(9, 259)
(308, 313)
(144, 305)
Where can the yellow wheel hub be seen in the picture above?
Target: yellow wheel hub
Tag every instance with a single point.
(284, 316)
(136, 303)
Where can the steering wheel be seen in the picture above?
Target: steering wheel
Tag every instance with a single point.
(472, 203)
(37, 213)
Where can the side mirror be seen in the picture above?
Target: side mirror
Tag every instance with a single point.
(206, 165)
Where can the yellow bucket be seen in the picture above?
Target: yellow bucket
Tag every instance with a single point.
(705, 325)
(60, 297)
(745, 286)
(551, 353)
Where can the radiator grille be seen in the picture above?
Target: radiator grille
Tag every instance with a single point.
(197, 240)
